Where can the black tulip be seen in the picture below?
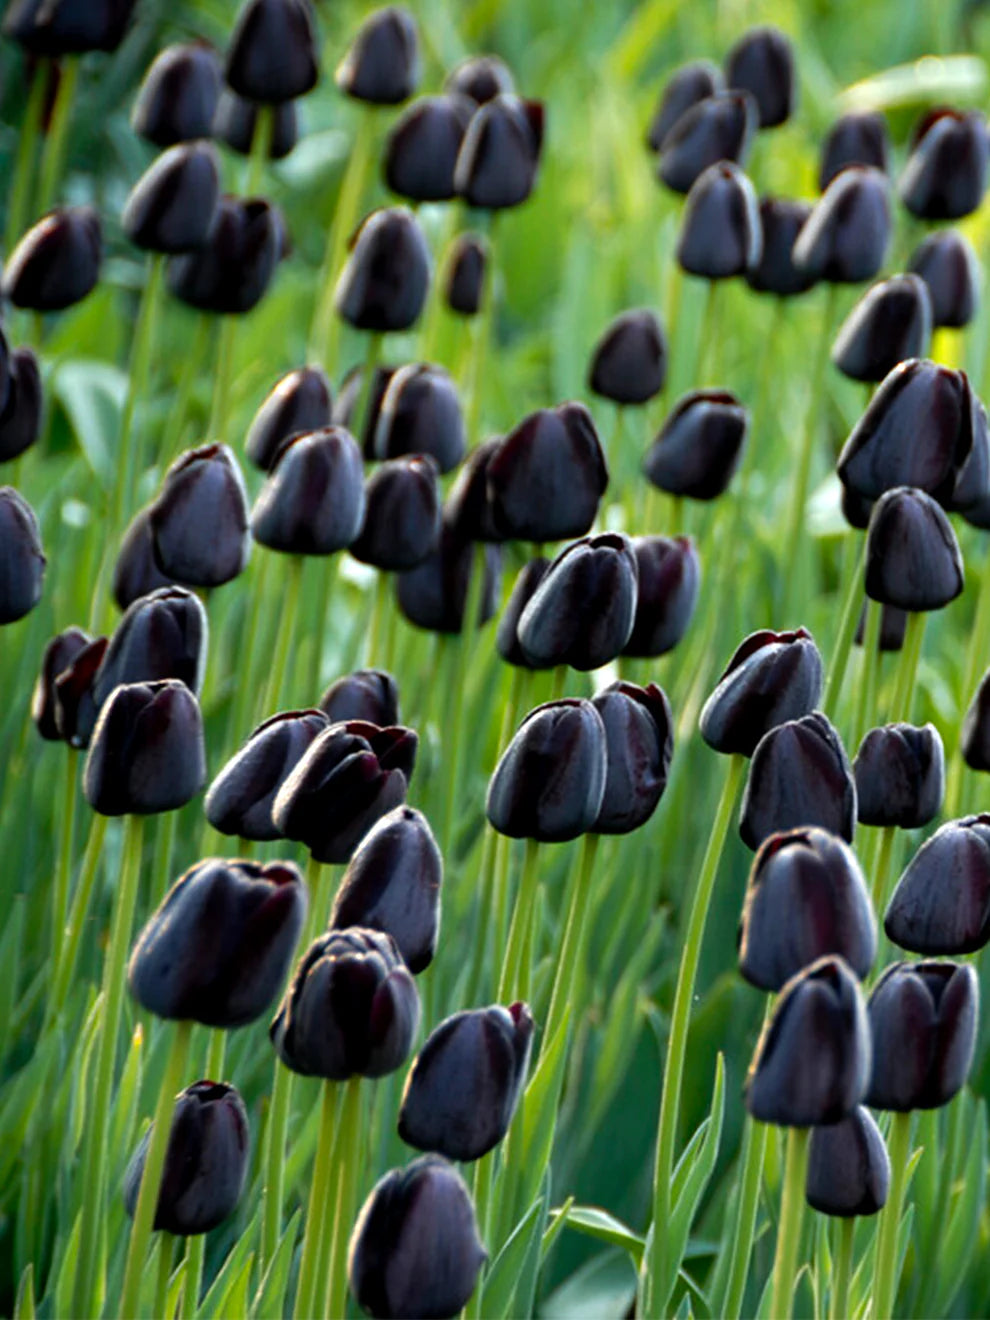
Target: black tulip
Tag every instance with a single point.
(854, 139)
(781, 221)
(217, 948)
(402, 514)
(206, 1161)
(57, 262)
(582, 612)
(684, 88)
(720, 229)
(199, 520)
(348, 399)
(550, 780)
(50, 29)
(481, 77)
(236, 123)
(178, 95)
(75, 706)
(699, 447)
(946, 174)
(465, 277)
(20, 417)
(507, 634)
(891, 323)
(230, 274)
(913, 559)
(942, 901)
(900, 776)
(467, 510)
(272, 56)
(812, 1062)
(856, 510)
(136, 572)
(434, 594)
(721, 127)
(351, 1009)
(368, 694)
(629, 362)
(146, 754)
(240, 799)
(313, 500)
(382, 64)
(298, 403)
(639, 742)
(848, 1167)
(974, 738)
(421, 150)
(415, 1248)
(950, 268)
(162, 635)
(845, 238)
(772, 677)
(461, 1091)
(22, 560)
(383, 286)
(669, 580)
(57, 656)
(499, 158)
(762, 63)
(172, 205)
(806, 897)
(923, 1021)
(393, 884)
(420, 413)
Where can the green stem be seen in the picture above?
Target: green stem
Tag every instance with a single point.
(453, 731)
(867, 703)
(369, 369)
(19, 203)
(278, 1118)
(166, 1252)
(251, 686)
(571, 953)
(480, 339)
(791, 1215)
(706, 359)
(226, 335)
(320, 1193)
(54, 154)
(349, 1145)
(885, 1270)
(908, 669)
(63, 865)
(976, 656)
(276, 691)
(880, 865)
(847, 632)
(132, 452)
(838, 1307)
(753, 1153)
(261, 145)
(172, 438)
(514, 975)
(316, 887)
(67, 950)
(193, 1282)
(378, 612)
(484, 1170)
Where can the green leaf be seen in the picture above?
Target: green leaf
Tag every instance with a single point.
(958, 1242)
(932, 79)
(67, 1270)
(603, 1286)
(24, 1305)
(270, 1296)
(524, 1298)
(539, 1117)
(93, 394)
(595, 1223)
(233, 1277)
(10, 960)
(556, 1226)
(501, 1280)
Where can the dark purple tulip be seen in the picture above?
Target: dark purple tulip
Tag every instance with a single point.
(946, 174)
(368, 694)
(480, 77)
(421, 149)
(507, 634)
(57, 656)
(913, 559)
(848, 1167)
(467, 510)
(236, 124)
(812, 1063)
(720, 228)
(434, 594)
(461, 1091)
(22, 560)
(845, 238)
(420, 413)
(762, 63)
(550, 780)
(162, 635)
(806, 897)
(272, 56)
(499, 158)
(383, 286)
(856, 510)
(950, 268)
(465, 278)
(351, 1009)
(313, 500)
(349, 398)
(854, 139)
(720, 127)
(942, 900)
(582, 612)
(240, 799)
(684, 88)
(891, 323)
(382, 64)
(297, 404)
(639, 742)
(49, 29)
(146, 754)
(178, 95)
(669, 578)
(136, 572)
(172, 205)
(217, 948)
(698, 449)
(350, 776)
(57, 262)
(393, 884)
(974, 739)
(799, 775)
(199, 520)
(629, 362)
(230, 274)
(781, 221)
(402, 514)
(923, 1019)
(415, 1248)
(20, 417)
(75, 708)
(900, 776)
(206, 1161)
(772, 677)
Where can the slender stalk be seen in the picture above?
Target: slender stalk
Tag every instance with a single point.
(274, 1158)
(131, 452)
(513, 973)
(791, 1215)
(572, 946)
(193, 1282)
(54, 154)
(880, 866)
(838, 1306)
(369, 369)
(453, 731)
(276, 691)
(885, 1269)
(378, 612)
(19, 197)
(226, 335)
(250, 687)
(166, 1253)
(320, 1192)
(976, 655)
(706, 360)
(484, 1171)
(481, 334)
(63, 865)
(67, 949)
(261, 146)
(847, 632)
(907, 671)
(177, 414)
(349, 1145)
(867, 703)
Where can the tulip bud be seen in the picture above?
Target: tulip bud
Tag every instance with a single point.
(422, 146)
(812, 1062)
(236, 123)
(465, 280)
(22, 561)
(900, 776)
(147, 752)
(950, 268)
(206, 1161)
(639, 743)
(467, 510)
(500, 156)
(393, 884)
(230, 273)
(854, 139)
(415, 1248)
(382, 65)
(57, 656)
(480, 77)
(420, 413)
(172, 205)
(799, 775)
(463, 1086)
(685, 87)
(367, 694)
(217, 948)
(240, 799)
(942, 900)
(75, 706)
(775, 272)
(699, 447)
(772, 677)
(848, 1167)
(762, 63)
(923, 1021)
(313, 500)
(55, 28)
(199, 520)
(348, 399)
(974, 739)
(383, 286)
(721, 127)
(856, 510)
(351, 1009)
(720, 230)
(845, 238)
(669, 578)
(178, 95)
(890, 323)
(946, 174)
(402, 514)
(296, 405)
(272, 56)
(507, 633)
(806, 897)
(162, 635)
(20, 417)
(550, 780)
(57, 262)
(913, 559)
(136, 572)
(434, 594)
(629, 362)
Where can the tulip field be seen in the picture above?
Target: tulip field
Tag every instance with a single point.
(495, 658)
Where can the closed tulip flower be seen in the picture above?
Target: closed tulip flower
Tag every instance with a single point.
(721, 127)
(974, 739)
(382, 65)
(891, 323)
(942, 900)
(172, 205)
(720, 230)
(231, 272)
(434, 595)
(53, 28)
(199, 520)
(480, 77)
(136, 572)
(236, 123)
(845, 238)
(348, 399)
(946, 174)
(950, 268)
(507, 633)
(162, 635)
(463, 1086)
(75, 706)
(57, 656)
(20, 417)
(57, 262)
(629, 362)
(420, 413)
(854, 139)
(812, 1063)
(422, 147)
(848, 1167)
(639, 742)
(206, 1161)
(499, 159)
(900, 776)
(297, 404)
(468, 509)
(762, 63)
(22, 560)
(913, 559)
(781, 221)
(368, 694)
(178, 95)
(383, 286)
(465, 278)
(402, 514)
(313, 501)
(669, 579)
(351, 1009)
(218, 947)
(684, 88)
(923, 1019)
(272, 56)
(699, 447)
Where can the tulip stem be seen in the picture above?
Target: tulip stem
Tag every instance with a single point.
(286, 627)
(166, 1253)
(362, 405)
(514, 976)
(177, 413)
(908, 669)
(885, 1269)
(842, 1268)
(250, 685)
(662, 1271)
(54, 154)
(571, 957)
(453, 732)
(131, 451)
(316, 886)
(479, 340)
(193, 1282)
(63, 866)
(378, 612)
(791, 1215)
(869, 677)
(349, 1143)
(880, 866)
(19, 203)
(69, 936)
(261, 146)
(226, 335)
(274, 1158)
(482, 1194)
(847, 631)
(320, 1192)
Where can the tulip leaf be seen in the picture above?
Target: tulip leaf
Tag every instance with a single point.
(524, 1298)
(603, 1286)
(539, 1116)
(233, 1277)
(958, 1241)
(24, 1305)
(93, 394)
(126, 1103)
(502, 1278)
(10, 960)
(926, 81)
(87, 1044)
(595, 1223)
(67, 1270)
(558, 1222)
(270, 1296)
